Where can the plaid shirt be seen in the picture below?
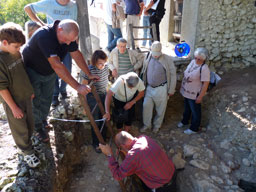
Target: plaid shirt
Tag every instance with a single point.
(147, 160)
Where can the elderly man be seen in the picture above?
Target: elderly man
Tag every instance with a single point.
(43, 56)
(126, 91)
(159, 76)
(123, 60)
(145, 158)
(55, 10)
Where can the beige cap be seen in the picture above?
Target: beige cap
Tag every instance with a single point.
(156, 49)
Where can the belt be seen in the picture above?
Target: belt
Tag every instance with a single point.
(162, 84)
(170, 183)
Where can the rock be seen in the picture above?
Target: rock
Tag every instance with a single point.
(178, 161)
(245, 99)
(189, 150)
(68, 135)
(217, 179)
(22, 172)
(171, 151)
(241, 110)
(225, 144)
(225, 168)
(199, 164)
(246, 162)
(229, 182)
(4, 181)
(11, 187)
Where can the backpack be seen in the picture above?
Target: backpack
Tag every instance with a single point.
(214, 79)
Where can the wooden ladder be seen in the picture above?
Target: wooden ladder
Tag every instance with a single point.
(93, 123)
(131, 27)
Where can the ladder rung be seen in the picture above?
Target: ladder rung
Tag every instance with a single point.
(143, 39)
(142, 27)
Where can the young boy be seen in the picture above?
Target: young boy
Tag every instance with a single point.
(16, 91)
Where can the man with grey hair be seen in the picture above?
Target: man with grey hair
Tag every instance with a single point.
(159, 76)
(43, 56)
(122, 60)
(126, 91)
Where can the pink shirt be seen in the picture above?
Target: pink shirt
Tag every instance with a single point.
(191, 83)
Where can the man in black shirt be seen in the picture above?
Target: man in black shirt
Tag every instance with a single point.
(156, 11)
(43, 56)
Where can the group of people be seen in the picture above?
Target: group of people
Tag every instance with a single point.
(28, 79)
(152, 12)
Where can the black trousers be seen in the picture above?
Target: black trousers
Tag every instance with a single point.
(156, 20)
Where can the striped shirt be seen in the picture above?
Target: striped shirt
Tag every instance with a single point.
(125, 65)
(147, 160)
(101, 85)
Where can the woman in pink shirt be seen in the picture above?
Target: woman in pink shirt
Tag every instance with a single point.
(193, 88)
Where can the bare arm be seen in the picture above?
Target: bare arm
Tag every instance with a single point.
(32, 15)
(107, 104)
(141, 8)
(203, 91)
(17, 113)
(132, 102)
(114, 7)
(65, 75)
(149, 6)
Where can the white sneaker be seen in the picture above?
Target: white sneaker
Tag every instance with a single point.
(32, 160)
(189, 132)
(144, 129)
(180, 125)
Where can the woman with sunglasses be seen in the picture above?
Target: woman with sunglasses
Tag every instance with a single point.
(100, 68)
(193, 88)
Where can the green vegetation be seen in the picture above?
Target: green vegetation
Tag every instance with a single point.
(13, 10)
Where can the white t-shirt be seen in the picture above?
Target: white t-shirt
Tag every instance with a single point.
(118, 89)
(107, 6)
(191, 83)
(54, 10)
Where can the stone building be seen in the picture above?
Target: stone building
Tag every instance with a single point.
(227, 28)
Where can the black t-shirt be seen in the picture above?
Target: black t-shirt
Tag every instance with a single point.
(160, 10)
(42, 45)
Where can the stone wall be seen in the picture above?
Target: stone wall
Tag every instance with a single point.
(227, 28)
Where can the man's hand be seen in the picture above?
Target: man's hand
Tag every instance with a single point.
(32, 96)
(17, 113)
(83, 89)
(107, 116)
(94, 77)
(129, 105)
(106, 149)
(198, 100)
(114, 73)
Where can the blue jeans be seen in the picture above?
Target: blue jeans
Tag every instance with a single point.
(191, 107)
(146, 31)
(43, 90)
(113, 35)
(60, 85)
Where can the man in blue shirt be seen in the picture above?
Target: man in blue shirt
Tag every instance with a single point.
(55, 10)
(133, 10)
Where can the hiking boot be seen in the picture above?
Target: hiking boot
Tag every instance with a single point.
(156, 129)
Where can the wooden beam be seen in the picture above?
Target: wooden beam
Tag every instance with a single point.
(84, 35)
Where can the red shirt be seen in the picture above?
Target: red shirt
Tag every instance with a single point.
(147, 160)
